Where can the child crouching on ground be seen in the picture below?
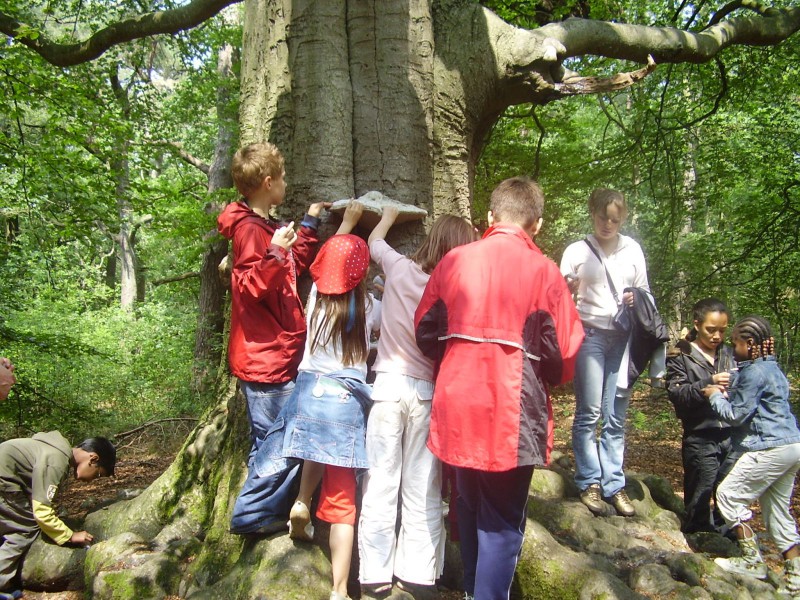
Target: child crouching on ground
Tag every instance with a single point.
(757, 405)
(31, 470)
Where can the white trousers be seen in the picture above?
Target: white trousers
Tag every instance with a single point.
(401, 470)
(766, 476)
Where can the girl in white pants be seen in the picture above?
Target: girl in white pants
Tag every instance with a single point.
(757, 405)
(401, 468)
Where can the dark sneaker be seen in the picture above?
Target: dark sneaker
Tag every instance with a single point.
(10, 594)
(623, 504)
(375, 591)
(593, 499)
(418, 590)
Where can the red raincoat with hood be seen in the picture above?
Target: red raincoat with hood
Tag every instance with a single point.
(499, 319)
(268, 327)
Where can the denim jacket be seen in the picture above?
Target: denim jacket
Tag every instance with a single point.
(324, 420)
(758, 406)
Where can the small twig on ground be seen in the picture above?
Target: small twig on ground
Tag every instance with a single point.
(125, 434)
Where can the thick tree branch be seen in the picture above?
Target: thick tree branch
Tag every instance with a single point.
(177, 149)
(667, 44)
(162, 21)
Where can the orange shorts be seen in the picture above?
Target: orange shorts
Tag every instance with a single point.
(337, 499)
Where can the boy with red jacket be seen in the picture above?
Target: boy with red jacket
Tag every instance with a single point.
(499, 319)
(268, 328)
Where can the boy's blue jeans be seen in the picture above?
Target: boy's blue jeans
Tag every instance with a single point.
(264, 402)
(263, 504)
(596, 397)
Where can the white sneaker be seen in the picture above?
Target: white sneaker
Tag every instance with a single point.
(743, 566)
(300, 527)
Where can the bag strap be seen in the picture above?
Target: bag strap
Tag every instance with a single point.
(608, 275)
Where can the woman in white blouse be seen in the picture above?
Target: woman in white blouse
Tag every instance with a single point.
(598, 269)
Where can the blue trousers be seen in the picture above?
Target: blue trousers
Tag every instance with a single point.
(264, 503)
(491, 522)
(596, 399)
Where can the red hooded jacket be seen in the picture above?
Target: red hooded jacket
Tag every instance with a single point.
(499, 319)
(268, 328)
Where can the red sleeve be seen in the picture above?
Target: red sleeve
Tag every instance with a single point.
(260, 265)
(569, 330)
(305, 248)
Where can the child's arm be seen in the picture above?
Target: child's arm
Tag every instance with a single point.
(305, 247)
(351, 216)
(741, 401)
(45, 480)
(388, 217)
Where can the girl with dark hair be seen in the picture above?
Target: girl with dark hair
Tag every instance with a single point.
(764, 428)
(699, 360)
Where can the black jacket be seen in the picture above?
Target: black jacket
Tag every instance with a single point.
(688, 372)
(648, 333)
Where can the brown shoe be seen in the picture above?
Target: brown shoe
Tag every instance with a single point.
(593, 499)
(623, 504)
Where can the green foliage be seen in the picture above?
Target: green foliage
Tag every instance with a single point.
(708, 160)
(87, 151)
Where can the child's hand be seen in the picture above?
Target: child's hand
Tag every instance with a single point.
(389, 214)
(712, 389)
(285, 236)
(7, 379)
(353, 213)
(388, 217)
(722, 379)
(82, 538)
(315, 209)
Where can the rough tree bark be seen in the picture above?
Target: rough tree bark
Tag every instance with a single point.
(391, 95)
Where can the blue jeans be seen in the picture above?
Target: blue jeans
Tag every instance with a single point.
(596, 396)
(264, 402)
(263, 503)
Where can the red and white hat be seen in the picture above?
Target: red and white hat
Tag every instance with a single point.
(341, 264)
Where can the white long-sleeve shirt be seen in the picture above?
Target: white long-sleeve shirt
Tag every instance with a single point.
(626, 265)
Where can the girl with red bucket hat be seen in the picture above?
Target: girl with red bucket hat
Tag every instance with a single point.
(324, 421)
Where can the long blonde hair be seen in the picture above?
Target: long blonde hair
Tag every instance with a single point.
(330, 318)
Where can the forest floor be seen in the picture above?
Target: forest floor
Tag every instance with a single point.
(653, 445)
